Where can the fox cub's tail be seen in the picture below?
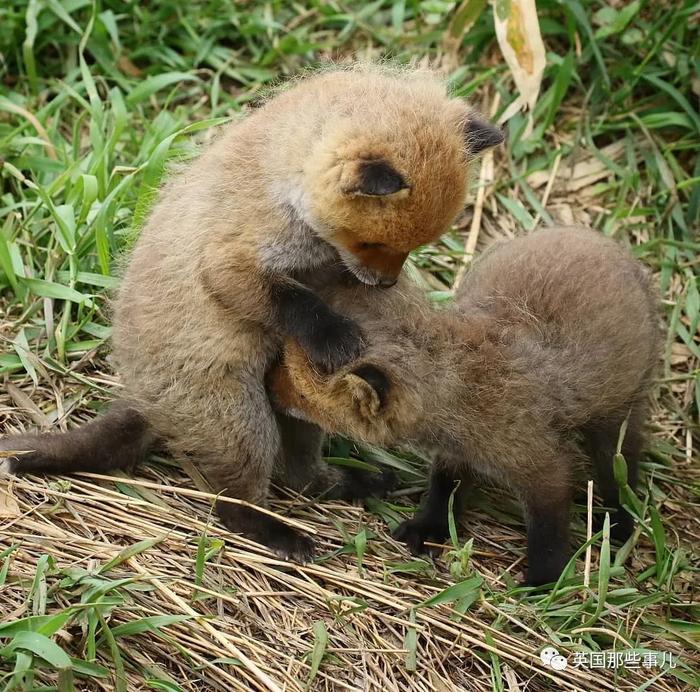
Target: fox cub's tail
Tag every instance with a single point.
(118, 439)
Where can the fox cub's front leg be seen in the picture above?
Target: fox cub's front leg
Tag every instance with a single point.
(431, 521)
(330, 339)
(301, 466)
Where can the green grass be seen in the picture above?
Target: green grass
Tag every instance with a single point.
(97, 99)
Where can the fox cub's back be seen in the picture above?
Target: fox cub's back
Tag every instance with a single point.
(584, 303)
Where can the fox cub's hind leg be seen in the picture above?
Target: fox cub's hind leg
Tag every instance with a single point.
(302, 467)
(431, 521)
(546, 495)
(600, 442)
(235, 441)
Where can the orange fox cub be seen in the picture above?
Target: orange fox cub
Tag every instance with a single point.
(354, 168)
(550, 346)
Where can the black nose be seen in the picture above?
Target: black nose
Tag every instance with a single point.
(387, 283)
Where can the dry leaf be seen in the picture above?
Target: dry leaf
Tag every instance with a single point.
(9, 508)
(518, 34)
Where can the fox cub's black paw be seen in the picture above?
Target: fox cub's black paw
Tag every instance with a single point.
(334, 342)
(292, 545)
(621, 525)
(415, 532)
(359, 484)
(281, 539)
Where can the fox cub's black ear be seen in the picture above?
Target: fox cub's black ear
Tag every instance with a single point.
(376, 379)
(378, 178)
(481, 134)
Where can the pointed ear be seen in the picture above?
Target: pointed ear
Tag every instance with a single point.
(481, 134)
(376, 179)
(369, 387)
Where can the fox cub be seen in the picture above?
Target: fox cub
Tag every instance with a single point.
(550, 346)
(353, 167)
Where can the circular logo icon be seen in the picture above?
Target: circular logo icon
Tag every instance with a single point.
(558, 662)
(547, 654)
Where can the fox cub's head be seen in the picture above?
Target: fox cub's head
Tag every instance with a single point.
(390, 172)
(364, 401)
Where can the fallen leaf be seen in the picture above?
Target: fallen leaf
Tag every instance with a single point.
(9, 508)
(518, 34)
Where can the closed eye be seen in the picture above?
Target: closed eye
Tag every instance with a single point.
(371, 246)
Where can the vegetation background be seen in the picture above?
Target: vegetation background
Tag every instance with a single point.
(122, 583)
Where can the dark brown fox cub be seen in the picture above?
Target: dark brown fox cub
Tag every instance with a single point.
(353, 167)
(550, 346)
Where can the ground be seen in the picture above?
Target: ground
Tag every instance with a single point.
(129, 582)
